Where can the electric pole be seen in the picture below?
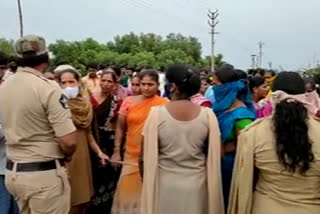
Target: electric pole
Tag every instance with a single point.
(213, 22)
(261, 44)
(20, 18)
(253, 60)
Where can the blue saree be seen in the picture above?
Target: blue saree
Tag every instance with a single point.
(225, 96)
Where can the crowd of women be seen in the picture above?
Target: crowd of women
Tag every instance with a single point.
(227, 142)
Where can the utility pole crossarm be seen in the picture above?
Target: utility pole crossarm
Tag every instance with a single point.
(260, 44)
(213, 22)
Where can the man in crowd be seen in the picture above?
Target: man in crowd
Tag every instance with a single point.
(125, 77)
(40, 133)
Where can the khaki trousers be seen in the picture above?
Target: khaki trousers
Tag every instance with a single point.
(43, 192)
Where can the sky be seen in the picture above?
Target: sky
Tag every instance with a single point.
(289, 28)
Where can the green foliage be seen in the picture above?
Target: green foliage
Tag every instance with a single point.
(171, 56)
(6, 46)
(132, 50)
(313, 73)
(206, 62)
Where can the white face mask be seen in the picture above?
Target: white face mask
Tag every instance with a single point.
(71, 92)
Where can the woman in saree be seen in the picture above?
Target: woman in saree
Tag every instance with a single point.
(105, 106)
(259, 90)
(277, 168)
(135, 85)
(182, 156)
(118, 90)
(133, 113)
(234, 109)
(79, 167)
(205, 84)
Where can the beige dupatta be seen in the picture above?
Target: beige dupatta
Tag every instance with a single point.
(149, 199)
(241, 194)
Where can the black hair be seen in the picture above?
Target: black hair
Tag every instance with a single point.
(255, 82)
(3, 59)
(75, 74)
(150, 73)
(32, 60)
(204, 71)
(226, 73)
(137, 75)
(260, 71)
(117, 70)
(253, 72)
(12, 59)
(204, 79)
(271, 72)
(241, 74)
(113, 75)
(293, 145)
(103, 66)
(185, 78)
(312, 83)
(289, 82)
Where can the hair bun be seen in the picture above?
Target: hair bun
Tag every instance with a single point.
(188, 76)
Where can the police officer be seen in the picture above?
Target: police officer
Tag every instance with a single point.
(40, 133)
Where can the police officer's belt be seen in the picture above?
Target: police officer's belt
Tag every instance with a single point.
(34, 166)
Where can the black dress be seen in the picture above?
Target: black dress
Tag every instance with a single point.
(105, 178)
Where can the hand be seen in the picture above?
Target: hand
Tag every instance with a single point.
(116, 157)
(103, 158)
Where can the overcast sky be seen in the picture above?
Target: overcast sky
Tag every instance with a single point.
(289, 28)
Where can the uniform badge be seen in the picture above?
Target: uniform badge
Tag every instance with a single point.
(64, 102)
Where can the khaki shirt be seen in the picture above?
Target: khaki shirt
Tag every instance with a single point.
(34, 113)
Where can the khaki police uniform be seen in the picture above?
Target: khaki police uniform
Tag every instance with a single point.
(34, 113)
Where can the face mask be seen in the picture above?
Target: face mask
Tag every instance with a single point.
(71, 92)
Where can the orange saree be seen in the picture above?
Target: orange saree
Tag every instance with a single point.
(128, 193)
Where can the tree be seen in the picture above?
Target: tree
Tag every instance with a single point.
(144, 50)
(144, 59)
(172, 56)
(6, 46)
(151, 43)
(128, 43)
(190, 45)
(206, 62)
